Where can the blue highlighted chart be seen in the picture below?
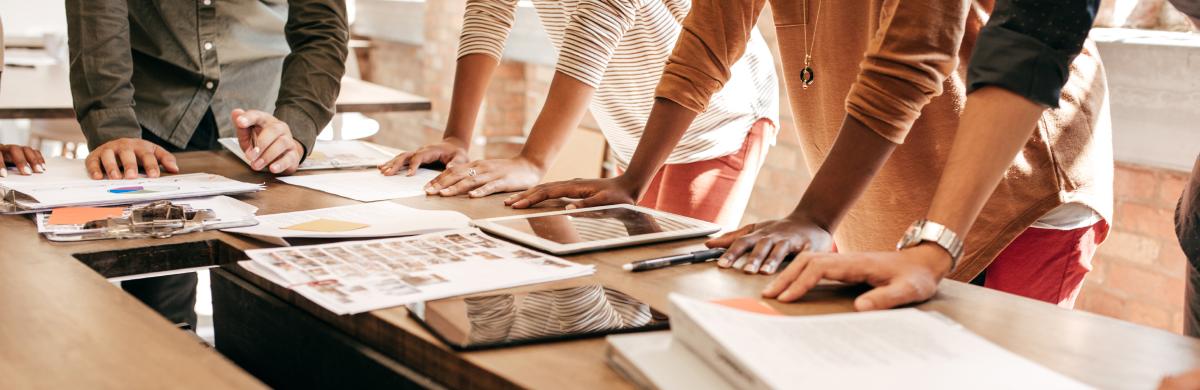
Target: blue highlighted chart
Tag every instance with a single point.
(135, 190)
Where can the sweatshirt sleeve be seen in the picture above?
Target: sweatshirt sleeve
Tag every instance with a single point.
(486, 25)
(910, 56)
(591, 37)
(714, 37)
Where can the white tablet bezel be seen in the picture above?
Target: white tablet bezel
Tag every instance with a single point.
(698, 228)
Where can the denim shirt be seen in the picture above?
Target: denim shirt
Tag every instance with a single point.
(158, 64)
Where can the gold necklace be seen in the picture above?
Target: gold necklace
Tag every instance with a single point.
(806, 74)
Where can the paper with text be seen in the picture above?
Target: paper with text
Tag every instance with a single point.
(328, 154)
(904, 348)
(36, 195)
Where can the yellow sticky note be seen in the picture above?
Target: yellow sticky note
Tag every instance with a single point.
(327, 226)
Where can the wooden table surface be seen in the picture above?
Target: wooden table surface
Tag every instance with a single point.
(45, 93)
(63, 325)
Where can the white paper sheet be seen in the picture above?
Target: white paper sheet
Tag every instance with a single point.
(366, 185)
(385, 219)
(889, 349)
(66, 193)
(359, 276)
(57, 169)
(328, 154)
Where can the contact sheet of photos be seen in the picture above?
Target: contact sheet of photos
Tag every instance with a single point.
(358, 276)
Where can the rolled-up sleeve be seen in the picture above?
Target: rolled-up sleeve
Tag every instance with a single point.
(592, 35)
(714, 37)
(486, 24)
(101, 69)
(1027, 47)
(318, 35)
(914, 50)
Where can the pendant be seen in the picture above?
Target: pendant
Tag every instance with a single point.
(806, 74)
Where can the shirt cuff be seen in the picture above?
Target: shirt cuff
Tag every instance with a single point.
(103, 125)
(688, 87)
(1019, 63)
(304, 128)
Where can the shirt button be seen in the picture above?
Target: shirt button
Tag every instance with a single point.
(208, 85)
(207, 45)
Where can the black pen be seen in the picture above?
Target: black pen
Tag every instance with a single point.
(687, 258)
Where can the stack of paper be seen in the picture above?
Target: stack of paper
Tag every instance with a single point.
(381, 219)
(329, 154)
(35, 195)
(359, 276)
(903, 348)
(366, 186)
(69, 223)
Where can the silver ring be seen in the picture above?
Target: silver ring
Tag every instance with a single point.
(471, 172)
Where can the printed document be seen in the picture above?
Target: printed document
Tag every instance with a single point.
(379, 219)
(38, 195)
(359, 276)
(366, 185)
(329, 154)
(904, 348)
(229, 212)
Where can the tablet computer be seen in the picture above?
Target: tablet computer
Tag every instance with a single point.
(501, 320)
(605, 227)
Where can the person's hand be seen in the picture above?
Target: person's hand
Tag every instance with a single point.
(486, 177)
(590, 192)
(762, 247)
(267, 141)
(27, 160)
(1186, 381)
(900, 277)
(450, 152)
(128, 153)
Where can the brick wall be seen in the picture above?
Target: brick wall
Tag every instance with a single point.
(1138, 273)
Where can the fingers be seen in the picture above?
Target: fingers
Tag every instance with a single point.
(890, 295)
(528, 198)
(390, 167)
(448, 178)
(727, 239)
(414, 162)
(786, 277)
(808, 277)
(738, 248)
(777, 256)
(130, 161)
(245, 138)
(36, 159)
(750, 263)
(149, 163)
(276, 154)
(17, 157)
(109, 160)
(93, 166)
(166, 159)
(599, 199)
(469, 183)
(488, 188)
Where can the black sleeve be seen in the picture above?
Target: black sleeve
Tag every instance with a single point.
(1027, 46)
(1188, 7)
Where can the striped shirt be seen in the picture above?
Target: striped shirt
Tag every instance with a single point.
(620, 48)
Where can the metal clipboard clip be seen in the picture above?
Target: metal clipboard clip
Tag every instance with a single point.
(160, 219)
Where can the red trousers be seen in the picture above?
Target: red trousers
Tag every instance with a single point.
(1047, 264)
(715, 190)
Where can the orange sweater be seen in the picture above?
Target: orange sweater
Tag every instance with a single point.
(898, 67)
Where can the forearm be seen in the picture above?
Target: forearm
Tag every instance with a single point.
(857, 154)
(318, 35)
(471, 80)
(565, 104)
(994, 126)
(667, 123)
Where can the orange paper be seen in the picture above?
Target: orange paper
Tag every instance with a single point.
(748, 304)
(82, 215)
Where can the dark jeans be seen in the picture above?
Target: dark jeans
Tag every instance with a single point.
(174, 296)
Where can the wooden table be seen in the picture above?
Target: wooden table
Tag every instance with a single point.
(45, 93)
(63, 325)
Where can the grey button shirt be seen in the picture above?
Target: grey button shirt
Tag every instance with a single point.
(161, 64)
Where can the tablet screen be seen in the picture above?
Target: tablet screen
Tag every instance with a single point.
(593, 225)
(522, 318)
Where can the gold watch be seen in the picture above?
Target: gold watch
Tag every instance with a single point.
(929, 231)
